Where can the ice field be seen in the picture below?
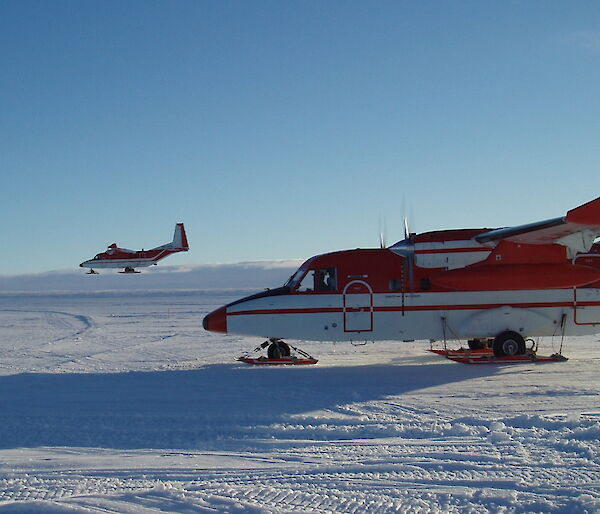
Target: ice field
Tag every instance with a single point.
(121, 402)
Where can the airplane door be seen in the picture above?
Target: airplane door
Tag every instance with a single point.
(358, 307)
(586, 301)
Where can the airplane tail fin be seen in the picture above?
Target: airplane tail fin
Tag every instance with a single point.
(180, 241)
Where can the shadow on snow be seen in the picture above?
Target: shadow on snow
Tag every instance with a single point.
(217, 406)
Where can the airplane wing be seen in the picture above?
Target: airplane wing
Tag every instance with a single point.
(576, 230)
(114, 248)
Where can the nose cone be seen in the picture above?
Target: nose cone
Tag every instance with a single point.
(216, 321)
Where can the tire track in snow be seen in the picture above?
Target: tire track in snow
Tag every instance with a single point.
(75, 324)
(30, 335)
(59, 320)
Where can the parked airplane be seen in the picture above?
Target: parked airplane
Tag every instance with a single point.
(490, 286)
(116, 257)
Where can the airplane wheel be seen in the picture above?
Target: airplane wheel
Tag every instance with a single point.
(278, 349)
(509, 343)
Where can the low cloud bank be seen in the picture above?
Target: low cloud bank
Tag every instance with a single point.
(242, 275)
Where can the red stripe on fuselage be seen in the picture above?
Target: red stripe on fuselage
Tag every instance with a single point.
(415, 308)
(315, 310)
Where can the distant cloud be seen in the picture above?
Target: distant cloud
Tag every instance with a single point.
(588, 39)
(242, 275)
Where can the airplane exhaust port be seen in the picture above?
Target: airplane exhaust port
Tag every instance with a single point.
(216, 321)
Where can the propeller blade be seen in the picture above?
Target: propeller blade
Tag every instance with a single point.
(382, 234)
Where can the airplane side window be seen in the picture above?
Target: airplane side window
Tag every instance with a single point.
(395, 284)
(327, 279)
(308, 282)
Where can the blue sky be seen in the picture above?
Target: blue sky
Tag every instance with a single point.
(278, 129)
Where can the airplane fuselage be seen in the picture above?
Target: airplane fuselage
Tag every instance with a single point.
(123, 259)
(439, 285)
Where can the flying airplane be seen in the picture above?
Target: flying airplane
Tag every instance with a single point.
(492, 287)
(116, 257)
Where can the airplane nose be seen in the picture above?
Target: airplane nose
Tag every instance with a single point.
(216, 321)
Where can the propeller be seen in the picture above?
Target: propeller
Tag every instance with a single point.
(406, 248)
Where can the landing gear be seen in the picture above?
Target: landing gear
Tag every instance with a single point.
(278, 349)
(278, 352)
(509, 343)
(507, 347)
(129, 269)
(92, 272)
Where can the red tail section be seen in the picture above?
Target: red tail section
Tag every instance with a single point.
(180, 238)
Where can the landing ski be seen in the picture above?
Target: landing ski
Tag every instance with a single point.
(291, 360)
(279, 353)
(486, 356)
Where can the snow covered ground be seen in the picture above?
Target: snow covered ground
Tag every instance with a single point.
(120, 402)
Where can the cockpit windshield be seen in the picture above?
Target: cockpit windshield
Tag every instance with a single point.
(295, 278)
(322, 279)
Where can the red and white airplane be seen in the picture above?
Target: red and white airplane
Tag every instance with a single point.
(489, 286)
(116, 257)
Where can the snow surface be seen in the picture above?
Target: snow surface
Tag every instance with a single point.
(121, 402)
